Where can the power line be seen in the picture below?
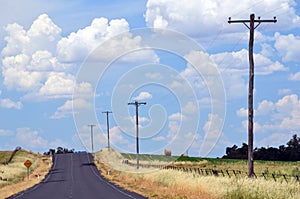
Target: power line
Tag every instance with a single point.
(107, 125)
(251, 27)
(256, 4)
(137, 104)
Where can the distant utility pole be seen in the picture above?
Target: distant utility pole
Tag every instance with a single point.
(136, 103)
(92, 136)
(107, 124)
(252, 22)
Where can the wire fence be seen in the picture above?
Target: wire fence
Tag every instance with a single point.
(198, 171)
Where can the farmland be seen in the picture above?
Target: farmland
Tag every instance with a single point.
(267, 167)
(187, 183)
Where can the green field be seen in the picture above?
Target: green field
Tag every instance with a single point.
(260, 166)
(148, 157)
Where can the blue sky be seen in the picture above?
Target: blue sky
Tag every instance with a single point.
(65, 62)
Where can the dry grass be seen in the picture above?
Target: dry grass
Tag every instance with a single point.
(222, 187)
(114, 160)
(151, 188)
(4, 155)
(15, 173)
(140, 181)
(178, 184)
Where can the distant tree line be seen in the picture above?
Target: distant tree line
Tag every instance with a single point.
(290, 152)
(59, 150)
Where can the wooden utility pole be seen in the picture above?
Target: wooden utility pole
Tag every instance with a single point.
(107, 124)
(92, 136)
(136, 103)
(251, 27)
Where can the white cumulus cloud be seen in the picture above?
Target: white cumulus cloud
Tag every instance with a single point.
(283, 115)
(202, 18)
(30, 138)
(143, 95)
(29, 61)
(177, 117)
(41, 62)
(295, 77)
(8, 103)
(77, 45)
(43, 34)
(288, 47)
(5, 132)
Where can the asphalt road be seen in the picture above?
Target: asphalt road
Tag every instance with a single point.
(74, 176)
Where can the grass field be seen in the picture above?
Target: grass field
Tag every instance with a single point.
(179, 184)
(13, 176)
(4, 155)
(260, 166)
(147, 157)
(16, 171)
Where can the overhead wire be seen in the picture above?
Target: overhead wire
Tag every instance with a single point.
(260, 28)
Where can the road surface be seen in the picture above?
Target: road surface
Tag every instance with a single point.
(74, 176)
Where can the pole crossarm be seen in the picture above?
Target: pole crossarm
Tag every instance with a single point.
(251, 27)
(137, 104)
(107, 125)
(259, 21)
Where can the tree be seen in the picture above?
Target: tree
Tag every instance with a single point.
(294, 142)
(236, 153)
(291, 152)
(293, 149)
(60, 150)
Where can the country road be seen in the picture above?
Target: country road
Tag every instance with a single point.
(74, 176)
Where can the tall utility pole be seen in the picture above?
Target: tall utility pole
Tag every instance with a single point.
(136, 103)
(92, 136)
(107, 124)
(251, 27)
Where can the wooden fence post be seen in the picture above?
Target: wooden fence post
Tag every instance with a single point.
(228, 173)
(285, 178)
(274, 177)
(222, 173)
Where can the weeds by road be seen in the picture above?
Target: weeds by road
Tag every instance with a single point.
(179, 184)
(14, 175)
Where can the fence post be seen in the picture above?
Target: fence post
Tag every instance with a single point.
(228, 173)
(274, 177)
(234, 172)
(215, 172)
(206, 172)
(254, 175)
(285, 178)
(240, 173)
(222, 173)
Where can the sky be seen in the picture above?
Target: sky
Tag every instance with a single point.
(64, 63)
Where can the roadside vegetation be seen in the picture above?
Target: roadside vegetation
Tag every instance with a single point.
(158, 183)
(13, 176)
